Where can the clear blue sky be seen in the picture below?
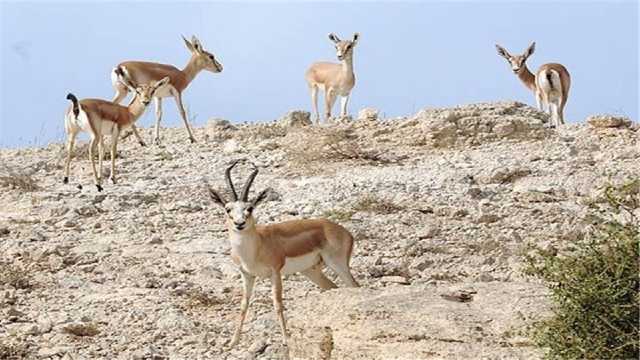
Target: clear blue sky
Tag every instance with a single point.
(411, 55)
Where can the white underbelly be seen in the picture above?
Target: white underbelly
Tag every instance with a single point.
(300, 263)
(165, 91)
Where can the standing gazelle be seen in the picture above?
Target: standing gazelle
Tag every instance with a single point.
(334, 79)
(101, 117)
(144, 72)
(550, 84)
(280, 249)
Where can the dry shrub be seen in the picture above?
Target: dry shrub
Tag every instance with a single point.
(12, 350)
(16, 276)
(312, 148)
(199, 298)
(22, 179)
(82, 329)
(372, 203)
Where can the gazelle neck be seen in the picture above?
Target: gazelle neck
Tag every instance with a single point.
(527, 78)
(136, 109)
(191, 69)
(347, 65)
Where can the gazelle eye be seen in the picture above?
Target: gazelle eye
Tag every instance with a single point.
(250, 209)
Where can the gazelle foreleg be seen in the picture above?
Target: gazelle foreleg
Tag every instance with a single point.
(344, 100)
(276, 288)
(329, 100)
(183, 114)
(134, 129)
(156, 138)
(248, 282)
(114, 146)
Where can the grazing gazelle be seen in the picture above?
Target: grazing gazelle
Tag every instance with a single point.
(334, 79)
(144, 72)
(550, 84)
(101, 117)
(279, 249)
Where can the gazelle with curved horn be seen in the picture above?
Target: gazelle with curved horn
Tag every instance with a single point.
(550, 84)
(144, 72)
(334, 79)
(270, 251)
(101, 117)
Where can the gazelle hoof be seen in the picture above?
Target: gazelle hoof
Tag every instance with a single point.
(113, 180)
(99, 188)
(65, 180)
(142, 143)
(193, 140)
(79, 187)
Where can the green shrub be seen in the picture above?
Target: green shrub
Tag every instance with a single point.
(595, 287)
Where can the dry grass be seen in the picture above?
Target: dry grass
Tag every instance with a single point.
(374, 204)
(22, 179)
(199, 298)
(82, 329)
(313, 149)
(16, 276)
(11, 350)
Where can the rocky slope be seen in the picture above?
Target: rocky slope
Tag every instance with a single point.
(442, 204)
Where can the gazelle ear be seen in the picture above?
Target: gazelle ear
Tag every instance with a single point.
(356, 37)
(530, 49)
(196, 43)
(217, 198)
(188, 44)
(333, 37)
(502, 52)
(261, 197)
(162, 82)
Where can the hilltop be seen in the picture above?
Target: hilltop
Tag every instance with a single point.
(442, 203)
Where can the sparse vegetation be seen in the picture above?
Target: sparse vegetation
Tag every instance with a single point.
(314, 148)
(11, 350)
(22, 179)
(82, 329)
(375, 204)
(595, 287)
(199, 298)
(16, 276)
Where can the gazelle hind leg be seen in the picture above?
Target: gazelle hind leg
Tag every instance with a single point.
(70, 144)
(314, 102)
(341, 266)
(121, 93)
(317, 277)
(92, 146)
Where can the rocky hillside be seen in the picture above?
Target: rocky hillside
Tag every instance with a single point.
(442, 204)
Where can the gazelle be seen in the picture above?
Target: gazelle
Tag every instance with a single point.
(101, 117)
(279, 249)
(144, 72)
(334, 79)
(550, 84)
